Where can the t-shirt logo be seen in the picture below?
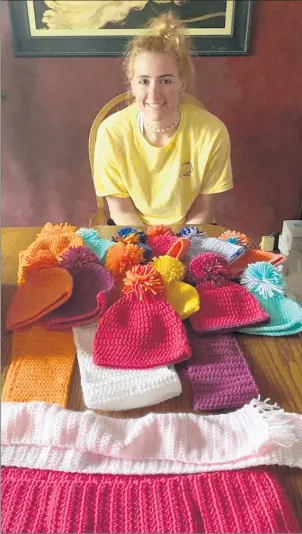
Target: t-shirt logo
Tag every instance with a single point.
(186, 169)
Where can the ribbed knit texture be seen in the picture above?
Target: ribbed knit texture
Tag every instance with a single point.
(43, 290)
(136, 334)
(92, 292)
(44, 436)
(217, 373)
(202, 243)
(251, 501)
(41, 366)
(161, 244)
(253, 255)
(183, 297)
(120, 389)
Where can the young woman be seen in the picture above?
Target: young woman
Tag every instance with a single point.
(162, 159)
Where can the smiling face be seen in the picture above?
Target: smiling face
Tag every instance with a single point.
(156, 86)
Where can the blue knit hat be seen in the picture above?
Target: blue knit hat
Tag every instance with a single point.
(267, 285)
(93, 241)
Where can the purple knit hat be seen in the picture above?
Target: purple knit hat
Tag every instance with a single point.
(93, 290)
(218, 374)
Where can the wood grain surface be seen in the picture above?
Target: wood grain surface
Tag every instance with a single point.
(275, 362)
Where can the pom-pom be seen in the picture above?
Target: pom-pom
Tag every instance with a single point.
(57, 229)
(88, 233)
(189, 232)
(122, 257)
(159, 229)
(42, 259)
(170, 268)
(236, 238)
(209, 269)
(264, 279)
(143, 280)
(76, 258)
(147, 251)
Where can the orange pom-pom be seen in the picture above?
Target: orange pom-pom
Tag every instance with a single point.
(57, 229)
(122, 257)
(236, 238)
(42, 259)
(143, 280)
(159, 229)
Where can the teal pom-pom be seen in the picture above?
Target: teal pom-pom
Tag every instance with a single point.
(88, 233)
(264, 279)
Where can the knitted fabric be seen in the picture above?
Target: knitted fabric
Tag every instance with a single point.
(120, 389)
(183, 298)
(254, 255)
(41, 366)
(94, 242)
(43, 290)
(267, 285)
(202, 243)
(217, 373)
(224, 305)
(161, 244)
(93, 288)
(141, 329)
(179, 248)
(45, 436)
(53, 238)
(238, 501)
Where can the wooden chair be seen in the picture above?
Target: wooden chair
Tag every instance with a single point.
(115, 104)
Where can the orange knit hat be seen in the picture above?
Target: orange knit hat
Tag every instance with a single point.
(45, 288)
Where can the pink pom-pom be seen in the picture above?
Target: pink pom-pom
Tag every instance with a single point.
(77, 258)
(209, 269)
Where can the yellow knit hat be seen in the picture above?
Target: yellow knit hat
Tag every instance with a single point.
(183, 298)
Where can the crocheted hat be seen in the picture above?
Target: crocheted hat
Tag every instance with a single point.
(93, 290)
(141, 329)
(122, 257)
(46, 287)
(202, 243)
(160, 239)
(252, 255)
(218, 374)
(120, 389)
(97, 244)
(183, 298)
(179, 248)
(267, 285)
(246, 500)
(224, 305)
(41, 367)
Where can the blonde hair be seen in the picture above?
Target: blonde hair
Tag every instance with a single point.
(166, 35)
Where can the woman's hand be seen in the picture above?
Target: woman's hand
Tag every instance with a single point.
(123, 211)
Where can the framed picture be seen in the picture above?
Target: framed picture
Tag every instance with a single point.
(103, 27)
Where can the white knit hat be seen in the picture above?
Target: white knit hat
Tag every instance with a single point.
(202, 243)
(120, 389)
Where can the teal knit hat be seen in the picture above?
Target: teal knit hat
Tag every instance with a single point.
(267, 285)
(93, 241)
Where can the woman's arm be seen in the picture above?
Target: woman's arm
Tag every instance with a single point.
(201, 211)
(123, 211)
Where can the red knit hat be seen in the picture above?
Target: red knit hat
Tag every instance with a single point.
(223, 304)
(160, 239)
(141, 329)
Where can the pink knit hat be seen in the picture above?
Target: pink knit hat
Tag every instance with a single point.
(223, 304)
(218, 374)
(247, 500)
(141, 329)
(160, 238)
(93, 290)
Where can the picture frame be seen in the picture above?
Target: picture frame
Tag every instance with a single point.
(59, 28)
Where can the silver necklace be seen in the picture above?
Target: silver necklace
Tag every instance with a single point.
(158, 130)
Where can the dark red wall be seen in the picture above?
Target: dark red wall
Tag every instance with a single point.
(51, 103)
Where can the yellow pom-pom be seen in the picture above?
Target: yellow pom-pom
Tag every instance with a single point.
(143, 280)
(171, 269)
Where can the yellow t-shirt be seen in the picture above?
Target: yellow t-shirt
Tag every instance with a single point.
(163, 182)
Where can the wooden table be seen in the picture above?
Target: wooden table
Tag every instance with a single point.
(275, 362)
